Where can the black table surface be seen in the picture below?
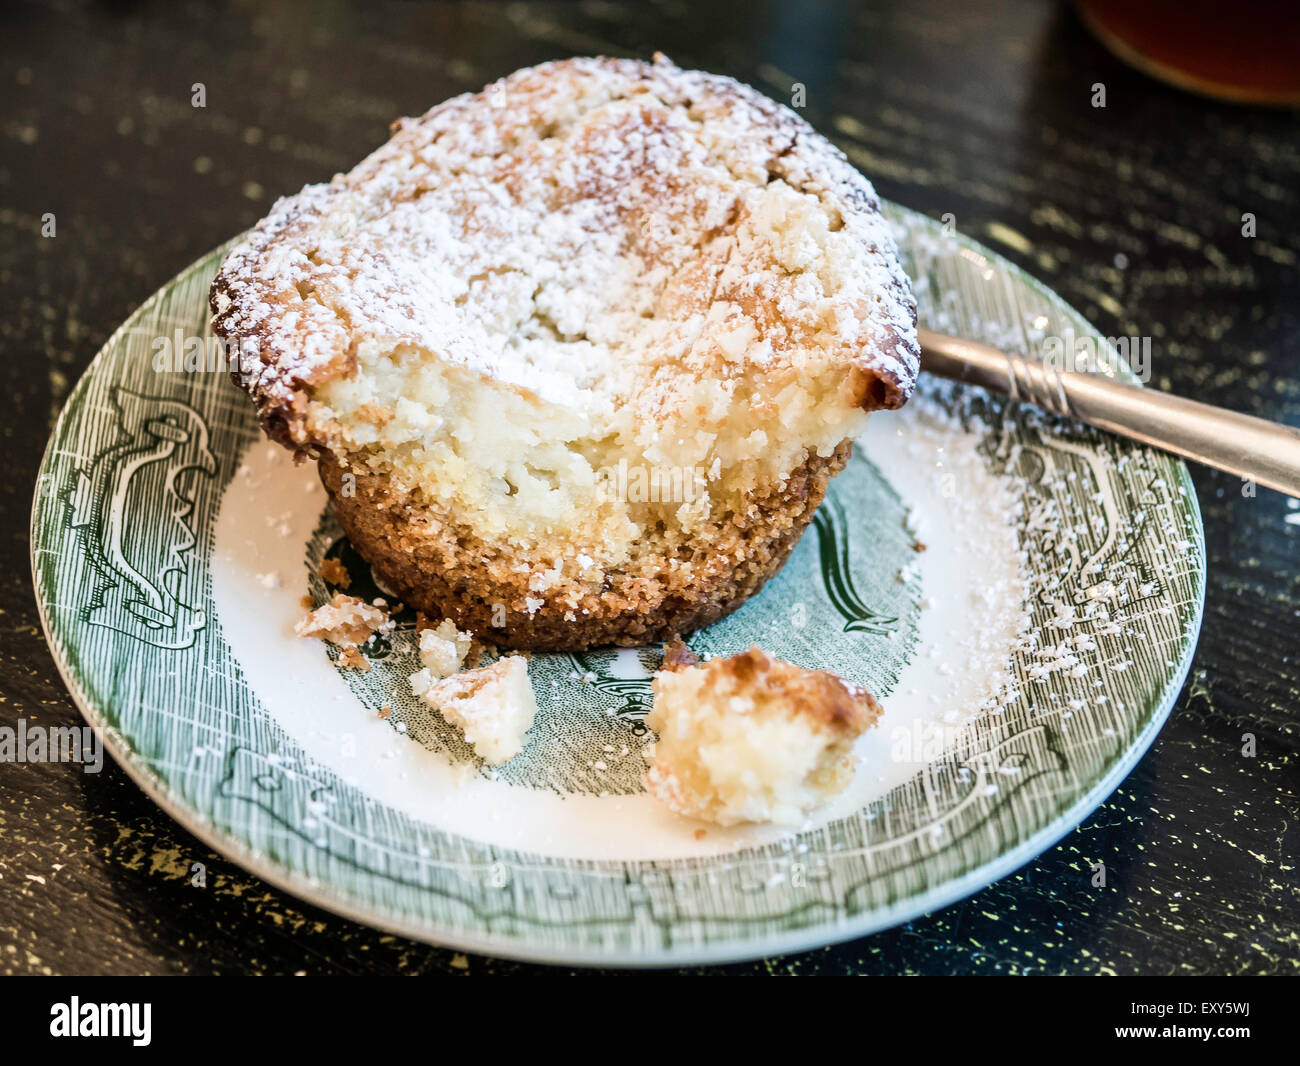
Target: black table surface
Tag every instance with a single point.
(1132, 211)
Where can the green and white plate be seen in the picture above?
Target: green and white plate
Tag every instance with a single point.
(1022, 593)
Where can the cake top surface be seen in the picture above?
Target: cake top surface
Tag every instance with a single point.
(820, 699)
(584, 231)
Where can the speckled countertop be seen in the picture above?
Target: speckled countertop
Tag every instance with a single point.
(1133, 212)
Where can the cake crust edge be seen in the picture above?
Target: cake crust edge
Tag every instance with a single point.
(440, 570)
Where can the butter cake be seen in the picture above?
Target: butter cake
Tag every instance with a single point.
(344, 620)
(493, 706)
(577, 354)
(348, 622)
(752, 738)
(443, 649)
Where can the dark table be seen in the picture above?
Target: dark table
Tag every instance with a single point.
(1133, 212)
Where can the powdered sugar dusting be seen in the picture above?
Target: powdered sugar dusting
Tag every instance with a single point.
(567, 232)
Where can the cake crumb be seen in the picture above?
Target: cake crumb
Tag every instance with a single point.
(350, 658)
(677, 655)
(444, 648)
(493, 706)
(344, 620)
(478, 651)
(333, 572)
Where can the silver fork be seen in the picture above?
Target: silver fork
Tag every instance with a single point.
(1265, 452)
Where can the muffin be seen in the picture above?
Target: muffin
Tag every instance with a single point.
(578, 354)
(752, 738)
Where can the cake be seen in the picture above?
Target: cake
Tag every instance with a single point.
(443, 649)
(752, 739)
(577, 355)
(493, 706)
(348, 622)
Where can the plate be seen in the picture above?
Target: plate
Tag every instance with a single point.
(1022, 593)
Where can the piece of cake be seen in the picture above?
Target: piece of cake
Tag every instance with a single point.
(577, 354)
(493, 706)
(752, 738)
(333, 572)
(348, 622)
(344, 620)
(443, 649)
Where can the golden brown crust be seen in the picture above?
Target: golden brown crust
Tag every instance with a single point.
(817, 696)
(444, 571)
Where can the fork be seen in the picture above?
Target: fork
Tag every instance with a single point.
(1267, 453)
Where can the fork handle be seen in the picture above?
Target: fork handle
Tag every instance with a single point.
(1266, 452)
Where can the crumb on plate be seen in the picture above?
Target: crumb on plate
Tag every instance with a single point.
(344, 620)
(493, 706)
(333, 572)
